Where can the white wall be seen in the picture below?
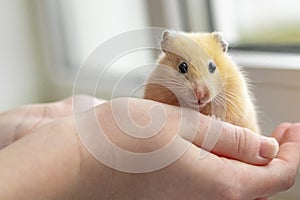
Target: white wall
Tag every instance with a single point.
(21, 77)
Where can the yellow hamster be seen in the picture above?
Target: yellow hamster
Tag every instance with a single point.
(195, 71)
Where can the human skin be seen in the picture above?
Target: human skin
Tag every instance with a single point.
(51, 162)
(15, 124)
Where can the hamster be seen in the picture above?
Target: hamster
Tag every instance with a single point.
(195, 71)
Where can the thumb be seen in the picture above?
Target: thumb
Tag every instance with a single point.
(244, 145)
(227, 140)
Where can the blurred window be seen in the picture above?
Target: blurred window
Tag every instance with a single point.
(74, 28)
(271, 25)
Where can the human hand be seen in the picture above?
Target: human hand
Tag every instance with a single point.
(17, 123)
(213, 177)
(53, 154)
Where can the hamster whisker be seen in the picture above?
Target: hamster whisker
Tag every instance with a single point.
(219, 102)
(226, 103)
(233, 97)
(230, 106)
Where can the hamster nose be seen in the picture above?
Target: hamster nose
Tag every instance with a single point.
(201, 94)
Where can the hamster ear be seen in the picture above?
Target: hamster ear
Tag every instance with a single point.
(218, 36)
(167, 35)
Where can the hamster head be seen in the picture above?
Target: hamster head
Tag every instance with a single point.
(195, 71)
(188, 67)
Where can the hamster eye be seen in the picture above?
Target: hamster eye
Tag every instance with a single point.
(212, 67)
(183, 67)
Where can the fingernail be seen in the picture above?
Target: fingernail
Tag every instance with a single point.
(268, 147)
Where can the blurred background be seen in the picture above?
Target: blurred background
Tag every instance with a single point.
(44, 42)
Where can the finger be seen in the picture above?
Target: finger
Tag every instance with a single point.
(288, 140)
(213, 135)
(15, 124)
(282, 171)
(9, 122)
(234, 142)
(279, 131)
(41, 114)
(80, 99)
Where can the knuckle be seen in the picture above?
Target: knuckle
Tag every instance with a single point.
(243, 142)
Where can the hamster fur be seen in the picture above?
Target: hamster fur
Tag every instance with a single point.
(195, 71)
